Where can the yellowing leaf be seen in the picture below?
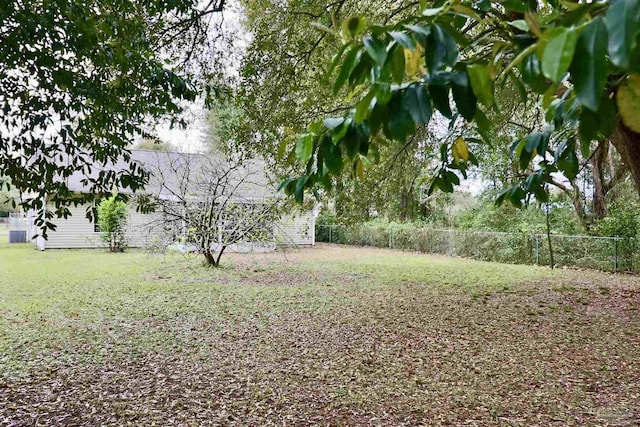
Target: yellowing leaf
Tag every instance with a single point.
(412, 61)
(460, 150)
(359, 169)
(628, 99)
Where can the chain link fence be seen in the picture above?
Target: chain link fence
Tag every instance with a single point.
(601, 253)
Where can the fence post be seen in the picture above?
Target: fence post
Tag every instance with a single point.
(390, 238)
(615, 254)
(537, 250)
(330, 229)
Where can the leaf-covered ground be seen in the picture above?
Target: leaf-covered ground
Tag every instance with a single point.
(326, 336)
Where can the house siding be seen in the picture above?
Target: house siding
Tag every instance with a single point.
(297, 230)
(76, 232)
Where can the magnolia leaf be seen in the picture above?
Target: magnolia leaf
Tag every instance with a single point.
(403, 39)
(628, 100)
(412, 59)
(397, 64)
(520, 24)
(442, 49)
(359, 168)
(589, 67)
(460, 150)
(440, 97)
(432, 12)
(623, 23)
(363, 107)
(558, 53)
(463, 95)
(347, 67)
(417, 102)
(353, 26)
(304, 148)
(376, 49)
(481, 83)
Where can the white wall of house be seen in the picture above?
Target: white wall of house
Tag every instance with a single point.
(77, 232)
(298, 230)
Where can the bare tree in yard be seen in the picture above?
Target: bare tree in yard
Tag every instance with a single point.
(215, 202)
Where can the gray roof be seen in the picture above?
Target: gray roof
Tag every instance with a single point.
(170, 170)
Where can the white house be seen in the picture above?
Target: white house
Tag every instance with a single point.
(166, 181)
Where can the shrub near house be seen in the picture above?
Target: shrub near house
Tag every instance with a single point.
(112, 217)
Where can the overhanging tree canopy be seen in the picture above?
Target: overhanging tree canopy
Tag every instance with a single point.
(78, 80)
(581, 59)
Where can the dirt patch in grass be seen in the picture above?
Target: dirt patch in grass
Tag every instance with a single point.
(332, 336)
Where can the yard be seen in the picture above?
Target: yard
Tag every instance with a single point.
(327, 336)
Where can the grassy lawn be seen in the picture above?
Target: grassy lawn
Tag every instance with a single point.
(327, 336)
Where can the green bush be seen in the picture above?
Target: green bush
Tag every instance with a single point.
(112, 217)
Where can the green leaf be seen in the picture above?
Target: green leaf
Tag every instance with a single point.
(383, 92)
(363, 107)
(440, 97)
(345, 70)
(417, 102)
(441, 49)
(540, 193)
(300, 188)
(568, 163)
(481, 83)
(403, 39)
(432, 12)
(400, 123)
(452, 178)
(353, 26)
(420, 32)
(351, 141)
(304, 148)
(376, 49)
(558, 53)
(589, 66)
(598, 125)
(522, 91)
(515, 5)
(397, 64)
(332, 155)
(533, 141)
(484, 125)
(463, 95)
(623, 23)
(524, 159)
(516, 195)
(376, 118)
(361, 70)
(285, 184)
(532, 74)
(520, 24)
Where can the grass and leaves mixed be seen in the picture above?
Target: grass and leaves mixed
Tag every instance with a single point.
(326, 336)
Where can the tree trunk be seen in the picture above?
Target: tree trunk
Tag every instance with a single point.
(627, 142)
(599, 187)
(209, 258)
(551, 260)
